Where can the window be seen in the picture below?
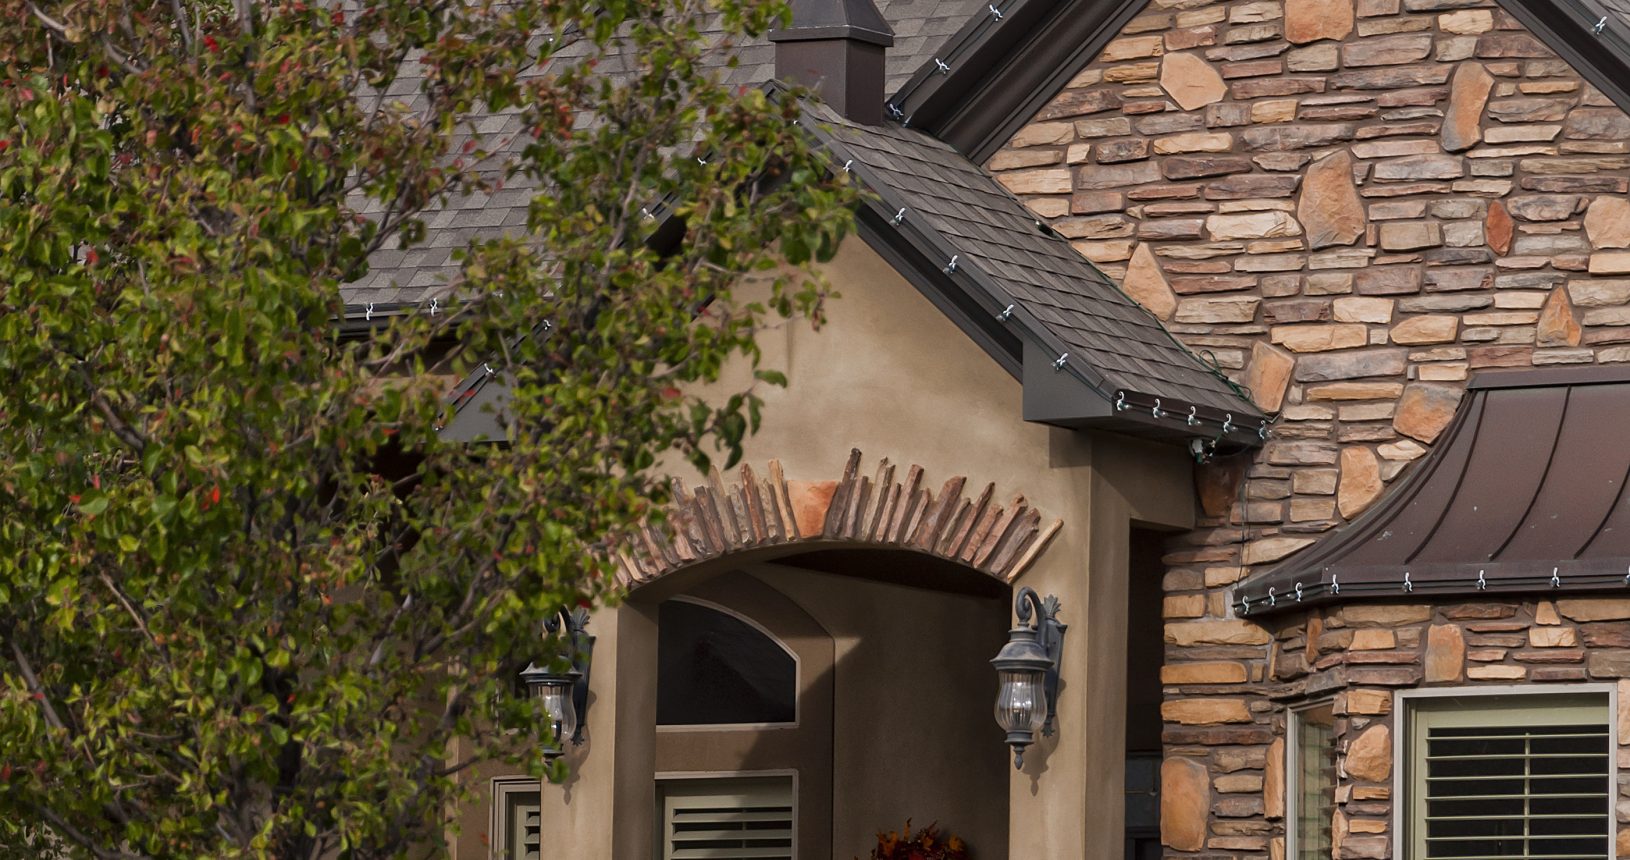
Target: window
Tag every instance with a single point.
(744, 817)
(1510, 776)
(714, 668)
(1312, 787)
(516, 826)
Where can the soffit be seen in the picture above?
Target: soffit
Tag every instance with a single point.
(1524, 493)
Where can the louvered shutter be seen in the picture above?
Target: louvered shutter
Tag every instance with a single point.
(738, 819)
(1527, 776)
(521, 826)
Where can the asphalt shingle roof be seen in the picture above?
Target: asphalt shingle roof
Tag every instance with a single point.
(426, 270)
(1113, 342)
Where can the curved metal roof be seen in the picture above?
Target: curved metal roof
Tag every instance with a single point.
(1525, 492)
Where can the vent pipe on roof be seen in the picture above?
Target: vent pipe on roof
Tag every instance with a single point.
(835, 47)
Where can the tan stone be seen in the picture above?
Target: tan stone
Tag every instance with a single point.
(1191, 81)
(1196, 141)
(1209, 672)
(1373, 639)
(1133, 48)
(1607, 222)
(1183, 606)
(1319, 338)
(1268, 375)
(1147, 284)
(1369, 757)
(1557, 326)
(1496, 673)
(1468, 94)
(1341, 391)
(1205, 712)
(1610, 263)
(1367, 702)
(1271, 224)
(1329, 207)
(1433, 328)
(1467, 22)
(1047, 180)
(1445, 653)
(1624, 719)
(1594, 609)
(1360, 480)
(810, 499)
(1312, 20)
(1425, 409)
(1185, 803)
(1552, 637)
(1223, 632)
(1273, 549)
(1498, 228)
(1226, 309)
(1385, 614)
(1273, 110)
(1273, 781)
(1545, 613)
(1362, 309)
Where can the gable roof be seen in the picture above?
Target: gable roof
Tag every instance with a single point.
(1026, 294)
(401, 279)
(1525, 492)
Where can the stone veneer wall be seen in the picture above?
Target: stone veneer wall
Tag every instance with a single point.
(1352, 205)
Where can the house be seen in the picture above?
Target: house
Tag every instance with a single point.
(1275, 339)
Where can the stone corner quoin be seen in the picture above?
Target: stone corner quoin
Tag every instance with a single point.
(1354, 205)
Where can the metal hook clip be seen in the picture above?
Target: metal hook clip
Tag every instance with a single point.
(702, 161)
(434, 304)
(1245, 604)
(1272, 601)
(995, 12)
(1408, 586)
(647, 213)
(1600, 26)
(1556, 581)
(941, 66)
(488, 368)
(846, 165)
(1298, 592)
(900, 217)
(1120, 401)
(1193, 421)
(368, 313)
(1157, 411)
(1228, 422)
(894, 110)
(1482, 584)
(1262, 432)
(547, 325)
(1006, 314)
(1058, 363)
(951, 269)
(1335, 587)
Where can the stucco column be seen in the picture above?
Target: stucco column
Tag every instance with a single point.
(606, 808)
(1069, 801)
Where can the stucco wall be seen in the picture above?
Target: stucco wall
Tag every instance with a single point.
(1353, 205)
(891, 376)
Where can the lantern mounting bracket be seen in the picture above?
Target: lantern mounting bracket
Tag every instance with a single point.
(572, 626)
(1027, 672)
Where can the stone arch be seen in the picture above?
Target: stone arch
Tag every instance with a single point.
(716, 519)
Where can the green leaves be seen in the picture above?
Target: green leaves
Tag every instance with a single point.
(252, 603)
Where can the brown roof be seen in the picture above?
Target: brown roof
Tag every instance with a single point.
(1524, 493)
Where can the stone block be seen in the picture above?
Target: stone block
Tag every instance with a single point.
(1361, 481)
(1191, 81)
(1433, 328)
(1425, 409)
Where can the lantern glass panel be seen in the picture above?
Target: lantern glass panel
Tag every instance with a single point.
(555, 694)
(1021, 704)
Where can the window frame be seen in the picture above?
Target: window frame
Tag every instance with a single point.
(503, 787)
(1293, 768)
(1404, 705)
(797, 677)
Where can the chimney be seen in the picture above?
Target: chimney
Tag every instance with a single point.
(835, 47)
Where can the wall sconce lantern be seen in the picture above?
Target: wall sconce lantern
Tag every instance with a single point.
(1027, 672)
(564, 695)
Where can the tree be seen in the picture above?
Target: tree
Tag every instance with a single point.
(248, 595)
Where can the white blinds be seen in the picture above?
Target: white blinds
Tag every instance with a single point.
(1527, 777)
(727, 819)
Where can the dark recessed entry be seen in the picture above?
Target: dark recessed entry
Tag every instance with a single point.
(715, 669)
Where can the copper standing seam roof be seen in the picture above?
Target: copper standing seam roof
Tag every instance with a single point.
(1523, 494)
